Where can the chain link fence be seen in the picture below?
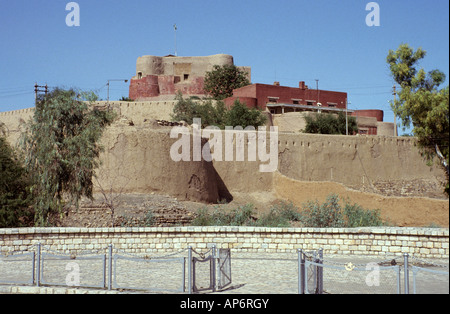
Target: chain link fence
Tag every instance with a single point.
(223, 271)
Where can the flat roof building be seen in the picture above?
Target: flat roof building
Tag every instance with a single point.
(281, 99)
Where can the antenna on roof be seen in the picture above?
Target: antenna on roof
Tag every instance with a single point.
(175, 30)
(318, 92)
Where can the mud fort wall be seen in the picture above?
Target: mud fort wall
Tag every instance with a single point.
(137, 160)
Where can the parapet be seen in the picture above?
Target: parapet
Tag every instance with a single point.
(157, 77)
(179, 66)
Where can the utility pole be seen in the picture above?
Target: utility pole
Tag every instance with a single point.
(175, 29)
(395, 116)
(317, 89)
(346, 116)
(37, 88)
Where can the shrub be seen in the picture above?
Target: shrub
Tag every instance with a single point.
(241, 216)
(326, 123)
(356, 216)
(202, 217)
(216, 114)
(331, 214)
(15, 196)
(188, 109)
(280, 215)
(241, 115)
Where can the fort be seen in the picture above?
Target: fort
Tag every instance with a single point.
(373, 169)
(159, 78)
(232, 140)
(382, 172)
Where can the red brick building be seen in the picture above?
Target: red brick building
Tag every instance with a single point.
(280, 99)
(159, 78)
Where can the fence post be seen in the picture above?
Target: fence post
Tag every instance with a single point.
(38, 268)
(320, 272)
(301, 272)
(406, 271)
(213, 268)
(110, 248)
(190, 269)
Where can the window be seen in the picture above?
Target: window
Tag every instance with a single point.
(310, 103)
(186, 77)
(139, 75)
(273, 99)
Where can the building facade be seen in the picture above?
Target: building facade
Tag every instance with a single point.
(160, 78)
(278, 99)
(282, 99)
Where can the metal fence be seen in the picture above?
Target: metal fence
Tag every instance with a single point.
(217, 270)
(394, 275)
(110, 268)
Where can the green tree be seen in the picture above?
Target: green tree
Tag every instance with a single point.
(241, 115)
(15, 198)
(188, 109)
(222, 80)
(61, 149)
(325, 123)
(422, 103)
(216, 114)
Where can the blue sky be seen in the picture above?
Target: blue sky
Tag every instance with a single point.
(283, 40)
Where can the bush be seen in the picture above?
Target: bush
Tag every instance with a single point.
(241, 216)
(356, 216)
(216, 115)
(326, 123)
(280, 215)
(331, 214)
(241, 115)
(188, 109)
(15, 196)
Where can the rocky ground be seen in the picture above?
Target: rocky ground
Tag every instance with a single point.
(145, 210)
(128, 210)
(411, 188)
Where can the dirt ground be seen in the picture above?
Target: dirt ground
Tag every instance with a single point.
(396, 211)
(133, 209)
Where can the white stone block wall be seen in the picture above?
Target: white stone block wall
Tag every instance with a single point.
(419, 242)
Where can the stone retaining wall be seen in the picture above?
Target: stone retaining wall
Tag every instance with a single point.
(420, 242)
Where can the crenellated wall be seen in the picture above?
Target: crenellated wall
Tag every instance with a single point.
(365, 168)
